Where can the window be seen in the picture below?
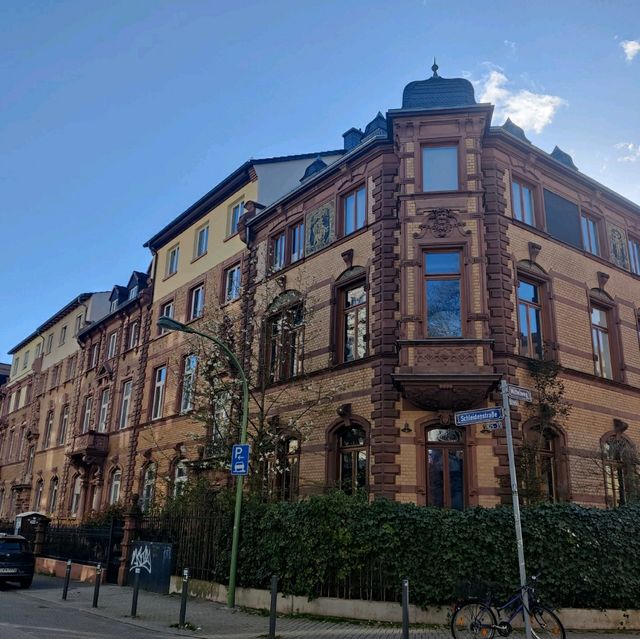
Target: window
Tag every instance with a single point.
(95, 351)
(232, 283)
(49, 344)
(38, 350)
(353, 322)
(202, 241)
(172, 260)
(78, 324)
(188, 381)
(55, 375)
(123, 420)
(160, 377)
(75, 495)
(600, 339)
(354, 211)
(10, 446)
(621, 478)
(133, 292)
(166, 310)
(540, 464)
(53, 495)
(112, 349)
(48, 427)
(530, 319)
(64, 422)
(296, 241)
(114, 305)
(445, 468)
(278, 252)
(234, 217)
(114, 489)
(86, 419)
(63, 335)
(25, 361)
(148, 487)
(634, 256)
(352, 459)
(16, 364)
(522, 202)
(179, 478)
(37, 499)
(287, 473)
(197, 302)
(442, 294)
(590, 234)
(71, 368)
(104, 406)
(134, 334)
(440, 168)
(284, 341)
(31, 453)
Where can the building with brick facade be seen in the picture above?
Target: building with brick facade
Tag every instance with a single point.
(399, 279)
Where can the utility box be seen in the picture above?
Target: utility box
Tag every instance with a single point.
(155, 561)
(26, 524)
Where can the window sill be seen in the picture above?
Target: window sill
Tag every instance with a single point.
(230, 237)
(169, 276)
(199, 257)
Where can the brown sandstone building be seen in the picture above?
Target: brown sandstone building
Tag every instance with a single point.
(399, 279)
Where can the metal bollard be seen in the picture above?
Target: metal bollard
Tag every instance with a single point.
(136, 587)
(96, 587)
(185, 595)
(67, 577)
(405, 609)
(274, 604)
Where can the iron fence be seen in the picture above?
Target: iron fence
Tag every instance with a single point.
(199, 541)
(7, 527)
(374, 581)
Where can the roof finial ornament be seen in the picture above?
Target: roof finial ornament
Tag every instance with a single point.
(435, 68)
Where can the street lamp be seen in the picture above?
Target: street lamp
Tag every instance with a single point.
(173, 325)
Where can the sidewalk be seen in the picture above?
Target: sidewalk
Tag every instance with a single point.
(160, 613)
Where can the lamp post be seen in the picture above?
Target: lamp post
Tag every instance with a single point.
(173, 325)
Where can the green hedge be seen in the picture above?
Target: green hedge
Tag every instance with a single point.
(344, 546)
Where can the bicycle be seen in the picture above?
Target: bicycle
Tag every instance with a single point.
(481, 619)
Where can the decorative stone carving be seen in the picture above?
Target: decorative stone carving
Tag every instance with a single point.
(441, 223)
(445, 355)
(618, 247)
(319, 228)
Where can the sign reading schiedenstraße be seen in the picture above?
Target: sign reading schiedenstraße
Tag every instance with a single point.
(467, 417)
(517, 392)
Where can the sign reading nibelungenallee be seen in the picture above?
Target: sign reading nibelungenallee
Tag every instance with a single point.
(522, 394)
(468, 417)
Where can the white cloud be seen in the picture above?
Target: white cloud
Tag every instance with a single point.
(510, 44)
(631, 48)
(629, 152)
(529, 110)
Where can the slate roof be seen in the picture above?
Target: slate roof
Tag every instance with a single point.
(438, 93)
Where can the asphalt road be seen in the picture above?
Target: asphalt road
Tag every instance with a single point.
(23, 617)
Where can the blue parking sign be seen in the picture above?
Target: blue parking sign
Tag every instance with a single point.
(240, 459)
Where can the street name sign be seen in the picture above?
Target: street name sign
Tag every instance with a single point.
(240, 459)
(519, 393)
(467, 417)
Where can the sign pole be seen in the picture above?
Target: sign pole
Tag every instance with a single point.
(504, 389)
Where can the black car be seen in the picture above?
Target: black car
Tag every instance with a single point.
(17, 561)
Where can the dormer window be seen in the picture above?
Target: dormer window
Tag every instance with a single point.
(114, 305)
(133, 293)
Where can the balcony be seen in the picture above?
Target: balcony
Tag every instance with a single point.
(445, 374)
(89, 448)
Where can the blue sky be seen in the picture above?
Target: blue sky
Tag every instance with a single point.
(115, 116)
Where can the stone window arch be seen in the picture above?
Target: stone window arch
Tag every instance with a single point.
(348, 455)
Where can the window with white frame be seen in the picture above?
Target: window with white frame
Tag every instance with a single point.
(160, 378)
(75, 495)
(78, 324)
(148, 487)
(166, 310)
(48, 427)
(47, 350)
(133, 292)
(232, 283)
(114, 305)
(38, 350)
(95, 351)
(114, 490)
(86, 417)
(235, 213)
(104, 406)
(634, 255)
(64, 423)
(53, 495)
(134, 334)
(202, 241)
(123, 421)
(63, 335)
(278, 246)
(37, 500)
(16, 364)
(197, 302)
(188, 381)
(179, 478)
(172, 260)
(25, 360)
(112, 348)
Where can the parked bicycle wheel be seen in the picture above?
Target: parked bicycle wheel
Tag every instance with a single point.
(545, 624)
(473, 620)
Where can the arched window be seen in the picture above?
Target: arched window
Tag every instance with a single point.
(351, 337)
(75, 495)
(352, 458)
(1, 502)
(114, 488)
(540, 456)
(53, 495)
(621, 466)
(284, 469)
(37, 498)
(188, 383)
(148, 487)
(445, 468)
(284, 336)
(180, 478)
